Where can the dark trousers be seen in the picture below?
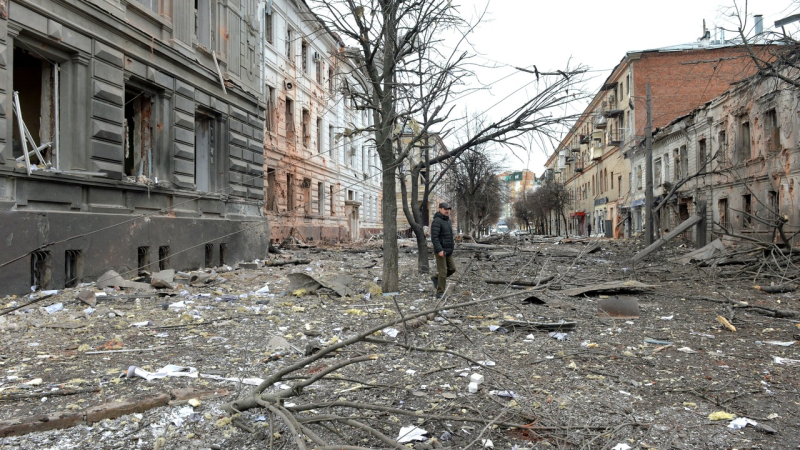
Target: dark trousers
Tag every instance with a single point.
(446, 266)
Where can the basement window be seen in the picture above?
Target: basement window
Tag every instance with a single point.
(223, 253)
(143, 260)
(138, 138)
(73, 267)
(34, 82)
(209, 256)
(163, 257)
(41, 270)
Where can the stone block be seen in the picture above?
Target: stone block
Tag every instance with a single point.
(108, 54)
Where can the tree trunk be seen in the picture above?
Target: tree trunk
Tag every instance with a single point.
(389, 211)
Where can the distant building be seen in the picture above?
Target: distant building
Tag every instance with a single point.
(514, 185)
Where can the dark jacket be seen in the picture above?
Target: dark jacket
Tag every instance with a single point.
(442, 234)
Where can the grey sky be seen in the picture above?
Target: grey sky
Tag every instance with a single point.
(596, 34)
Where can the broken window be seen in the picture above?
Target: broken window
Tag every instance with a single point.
(723, 147)
(319, 135)
(330, 79)
(318, 67)
(306, 118)
(35, 84)
(304, 56)
(333, 201)
(209, 255)
(701, 156)
(666, 167)
(41, 270)
(320, 198)
(143, 260)
(772, 131)
(676, 156)
(268, 27)
(744, 141)
(639, 177)
(73, 267)
(289, 192)
(331, 142)
(722, 206)
(351, 152)
(271, 203)
(223, 253)
(657, 172)
(152, 5)
(289, 119)
(684, 155)
(204, 149)
(138, 140)
(203, 12)
(163, 257)
(290, 44)
(269, 123)
(747, 210)
(306, 186)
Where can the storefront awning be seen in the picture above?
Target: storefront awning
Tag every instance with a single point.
(579, 213)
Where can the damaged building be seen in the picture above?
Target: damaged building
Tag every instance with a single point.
(597, 160)
(738, 155)
(321, 165)
(131, 138)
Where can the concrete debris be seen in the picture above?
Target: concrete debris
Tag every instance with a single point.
(611, 287)
(113, 279)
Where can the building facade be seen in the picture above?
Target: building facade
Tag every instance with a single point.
(594, 159)
(739, 153)
(322, 170)
(514, 185)
(131, 138)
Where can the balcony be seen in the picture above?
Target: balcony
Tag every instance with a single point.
(612, 113)
(596, 150)
(585, 139)
(575, 147)
(616, 137)
(600, 122)
(579, 165)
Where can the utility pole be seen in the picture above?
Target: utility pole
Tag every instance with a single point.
(648, 155)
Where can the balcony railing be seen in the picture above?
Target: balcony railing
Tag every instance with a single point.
(579, 165)
(616, 137)
(600, 122)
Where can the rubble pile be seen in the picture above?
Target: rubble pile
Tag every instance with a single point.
(558, 343)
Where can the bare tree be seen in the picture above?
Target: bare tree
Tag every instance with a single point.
(399, 70)
(476, 190)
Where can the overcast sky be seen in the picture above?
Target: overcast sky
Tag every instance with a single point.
(597, 34)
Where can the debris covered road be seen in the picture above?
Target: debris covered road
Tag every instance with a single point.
(542, 367)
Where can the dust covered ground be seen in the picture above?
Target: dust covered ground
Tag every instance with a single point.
(600, 386)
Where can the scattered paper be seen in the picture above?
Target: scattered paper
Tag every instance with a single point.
(411, 433)
(741, 422)
(621, 447)
(781, 343)
(686, 350)
(785, 361)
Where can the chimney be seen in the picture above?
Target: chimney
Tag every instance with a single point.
(759, 23)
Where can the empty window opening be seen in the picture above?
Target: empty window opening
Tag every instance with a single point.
(142, 260)
(289, 113)
(35, 85)
(306, 117)
(271, 203)
(701, 156)
(290, 44)
(268, 27)
(320, 198)
(138, 140)
(163, 257)
(306, 186)
(333, 203)
(722, 206)
(684, 155)
(223, 253)
(772, 131)
(269, 123)
(290, 192)
(202, 23)
(41, 270)
(747, 210)
(330, 79)
(203, 152)
(318, 67)
(209, 257)
(350, 195)
(73, 267)
(304, 56)
(772, 203)
(721, 157)
(319, 135)
(744, 142)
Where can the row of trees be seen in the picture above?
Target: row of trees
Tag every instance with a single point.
(543, 209)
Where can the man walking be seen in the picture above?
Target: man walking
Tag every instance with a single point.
(443, 245)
